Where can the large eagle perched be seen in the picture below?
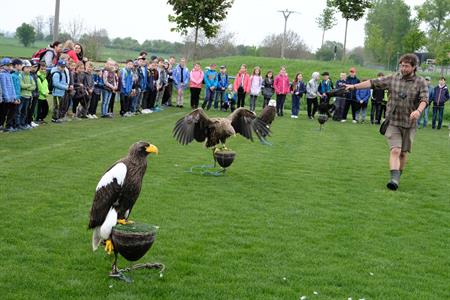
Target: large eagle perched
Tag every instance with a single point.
(269, 112)
(198, 126)
(116, 193)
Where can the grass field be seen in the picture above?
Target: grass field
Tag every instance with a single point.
(309, 214)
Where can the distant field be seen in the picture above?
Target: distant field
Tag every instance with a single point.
(13, 48)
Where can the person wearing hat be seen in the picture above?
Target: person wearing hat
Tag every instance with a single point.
(325, 86)
(27, 86)
(9, 99)
(408, 97)
(424, 115)
(60, 82)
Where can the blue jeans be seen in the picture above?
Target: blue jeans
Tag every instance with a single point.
(295, 104)
(219, 95)
(424, 116)
(209, 97)
(22, 112)
(438, 112)
(106, 95)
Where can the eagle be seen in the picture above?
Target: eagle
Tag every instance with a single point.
(117, 192)
(214, 131)
(269, 112)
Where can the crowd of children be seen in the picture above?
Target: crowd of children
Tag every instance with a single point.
(145, 85)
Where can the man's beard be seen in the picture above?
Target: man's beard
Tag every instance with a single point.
(406, 74)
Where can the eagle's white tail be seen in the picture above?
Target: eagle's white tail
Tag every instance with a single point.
(96, 239)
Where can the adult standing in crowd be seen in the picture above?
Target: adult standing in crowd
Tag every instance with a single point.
(51, 56)
(408, 97)
(78, 49)
(350, 100)
(68, 48)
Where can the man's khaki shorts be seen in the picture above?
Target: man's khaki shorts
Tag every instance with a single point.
(399, 137)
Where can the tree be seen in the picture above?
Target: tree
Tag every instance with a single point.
(196, 14)
(50, 22)
(93, 42)
(351, 10)
(75, 28)
(414, 38)
(295, 47)
(385, 35)
(326, 52)
(356, 55)
(38, 23)
(435, 13)
(326, 20)
(26, 34)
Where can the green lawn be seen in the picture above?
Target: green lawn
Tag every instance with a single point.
(309, 214)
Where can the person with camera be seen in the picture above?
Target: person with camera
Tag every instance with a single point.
(408, 97)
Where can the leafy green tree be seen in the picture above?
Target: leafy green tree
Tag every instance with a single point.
(414, 39)
(435, 13)
(26, 34)
(351, 10)
(326, 52)
(205, 15)
(326, 20)
(385, 34)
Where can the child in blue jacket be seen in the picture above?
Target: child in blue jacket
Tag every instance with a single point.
(362, 99)
(210, 86)
(9, 99)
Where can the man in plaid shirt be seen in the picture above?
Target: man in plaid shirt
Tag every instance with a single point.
(408, 97)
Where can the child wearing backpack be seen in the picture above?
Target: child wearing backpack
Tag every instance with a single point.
(42, 83)
(60, 86)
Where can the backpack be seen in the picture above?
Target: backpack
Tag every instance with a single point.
(49, 78)
(39, 55)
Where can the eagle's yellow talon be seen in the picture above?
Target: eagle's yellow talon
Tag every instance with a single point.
(124, 222)
(109, 246)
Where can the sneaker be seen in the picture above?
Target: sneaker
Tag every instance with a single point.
(354, 121)
(343, 121)
(9, 129)
(292, 117)
(94, 117)
(89, 116)
(34, 124)
(296, 117)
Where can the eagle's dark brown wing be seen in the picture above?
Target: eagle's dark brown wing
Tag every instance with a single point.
(107, 193)
(245, 121)
(192, 126)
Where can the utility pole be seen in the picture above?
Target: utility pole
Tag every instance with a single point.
(286, 13)
(56, 21)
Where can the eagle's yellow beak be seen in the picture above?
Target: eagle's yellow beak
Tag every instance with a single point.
(151, 149)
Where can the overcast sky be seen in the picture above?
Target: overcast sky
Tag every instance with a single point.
(250, 20)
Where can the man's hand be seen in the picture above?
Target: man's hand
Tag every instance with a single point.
(415, 115)
(349, 87)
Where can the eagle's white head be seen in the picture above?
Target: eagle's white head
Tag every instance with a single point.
(272, 103)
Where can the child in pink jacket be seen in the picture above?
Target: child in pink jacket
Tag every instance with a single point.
(242, 85)
(281, 86)
(195, 84)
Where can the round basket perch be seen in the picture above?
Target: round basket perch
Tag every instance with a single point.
(132, 241)
(224, 158)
